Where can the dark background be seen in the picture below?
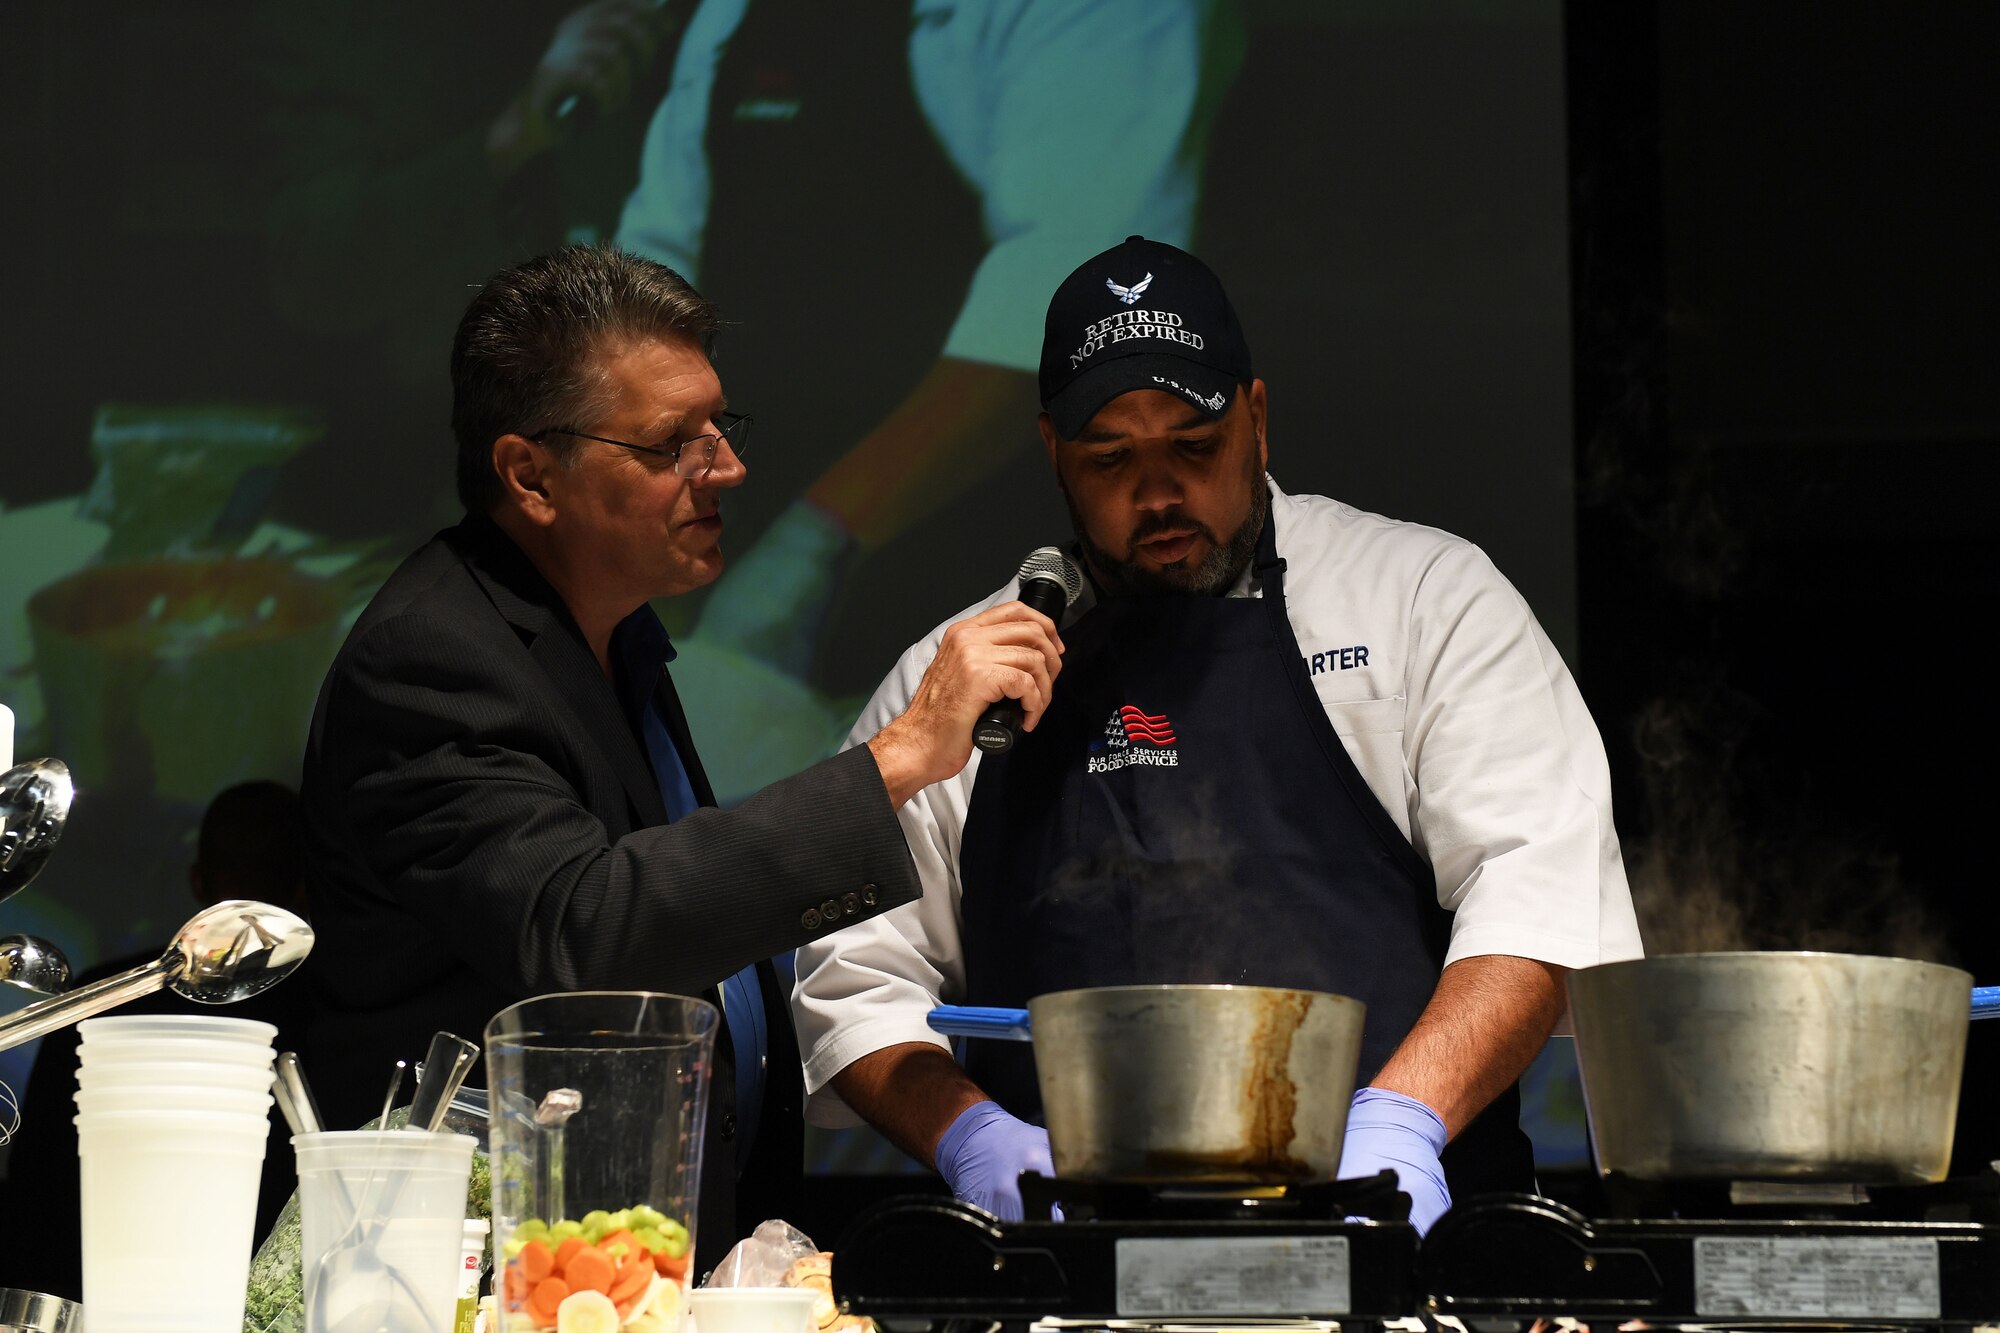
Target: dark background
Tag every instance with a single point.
(1767, 554)
(1784, 298)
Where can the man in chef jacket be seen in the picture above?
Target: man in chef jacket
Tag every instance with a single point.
(1293, 744)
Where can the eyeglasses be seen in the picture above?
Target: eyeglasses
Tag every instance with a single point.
(692, 458)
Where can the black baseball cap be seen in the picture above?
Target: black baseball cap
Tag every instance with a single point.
(1142, 315)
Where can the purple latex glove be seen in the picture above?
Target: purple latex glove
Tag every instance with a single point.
(1387, 1129)
(984, 1153)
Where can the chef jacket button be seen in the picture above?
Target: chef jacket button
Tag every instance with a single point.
(868, 894)
(728, 1125)
(829, 911)
(850, 903)
(811, 919)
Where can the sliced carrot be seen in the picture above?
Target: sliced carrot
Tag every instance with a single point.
(625, 1238)
(549, 1293)
(536, 1261)
(633, 1278)
(567, 1251)
(670, 1267)
(589, 1270)
(516, 1286)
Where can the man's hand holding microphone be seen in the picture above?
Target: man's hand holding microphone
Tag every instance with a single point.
(992, 677)
(993, 673)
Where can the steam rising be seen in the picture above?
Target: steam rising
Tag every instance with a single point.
(1733, 856)
(1703, 881)
(1162, 893)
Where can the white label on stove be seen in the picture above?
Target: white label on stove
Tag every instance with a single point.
(1817, 1277)
(1240, 1275)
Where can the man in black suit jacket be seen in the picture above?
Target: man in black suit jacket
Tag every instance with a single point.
(502, 791)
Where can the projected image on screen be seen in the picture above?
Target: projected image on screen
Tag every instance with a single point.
(272, 217)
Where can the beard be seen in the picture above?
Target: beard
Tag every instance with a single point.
(1213, 575)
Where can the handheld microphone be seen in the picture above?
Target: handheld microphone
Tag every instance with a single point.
(1049, 583)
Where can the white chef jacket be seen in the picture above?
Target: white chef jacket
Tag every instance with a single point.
(1453, 704)
(1076, 123)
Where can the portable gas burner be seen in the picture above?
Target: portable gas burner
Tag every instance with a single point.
(1765, 1255)
(1151, 1253)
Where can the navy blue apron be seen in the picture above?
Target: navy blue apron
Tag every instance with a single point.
(1185, 813)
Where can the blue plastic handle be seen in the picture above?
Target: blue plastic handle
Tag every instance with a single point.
(962, 1020)
(1986, 1001)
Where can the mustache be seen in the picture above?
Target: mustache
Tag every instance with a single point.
(1154, 525)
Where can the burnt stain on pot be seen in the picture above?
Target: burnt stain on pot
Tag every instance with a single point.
(1270, 1100)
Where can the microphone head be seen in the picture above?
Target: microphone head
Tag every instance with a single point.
(1050, 565)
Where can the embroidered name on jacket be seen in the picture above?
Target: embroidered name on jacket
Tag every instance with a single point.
(1134, 737)
(1335, 659)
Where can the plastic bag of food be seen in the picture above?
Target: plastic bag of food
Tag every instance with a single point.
(762, 1258)
(778, 1254)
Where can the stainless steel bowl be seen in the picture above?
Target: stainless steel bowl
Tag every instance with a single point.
(32, 1312)
(1187, 1083)
(1771, 1066)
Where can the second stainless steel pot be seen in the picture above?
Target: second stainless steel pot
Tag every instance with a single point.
(1196, 1082)
(1771, 1066)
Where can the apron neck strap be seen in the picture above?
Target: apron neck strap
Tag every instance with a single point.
(1270, 569)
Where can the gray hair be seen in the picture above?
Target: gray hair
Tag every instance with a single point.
(529, 352)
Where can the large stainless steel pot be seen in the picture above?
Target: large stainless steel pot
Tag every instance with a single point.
(1196, 1082)
(1771, 1066)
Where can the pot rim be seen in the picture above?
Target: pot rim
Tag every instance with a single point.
(1178, 988)
(1722, 957)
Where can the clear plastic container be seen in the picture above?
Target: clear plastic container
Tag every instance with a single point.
(275, 1300)
(598, 1102)
(384, 1213)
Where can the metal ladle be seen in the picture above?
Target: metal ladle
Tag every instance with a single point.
(224, 953)
(32, 963)
(34, 804)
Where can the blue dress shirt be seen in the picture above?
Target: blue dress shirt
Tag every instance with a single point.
(640, 650)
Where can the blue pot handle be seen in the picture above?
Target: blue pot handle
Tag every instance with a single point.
(960, 1020)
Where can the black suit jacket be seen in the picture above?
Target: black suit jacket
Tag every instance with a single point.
(485, 826)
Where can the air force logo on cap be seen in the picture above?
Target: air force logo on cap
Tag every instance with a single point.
(1130, 295)
(1098, 343)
